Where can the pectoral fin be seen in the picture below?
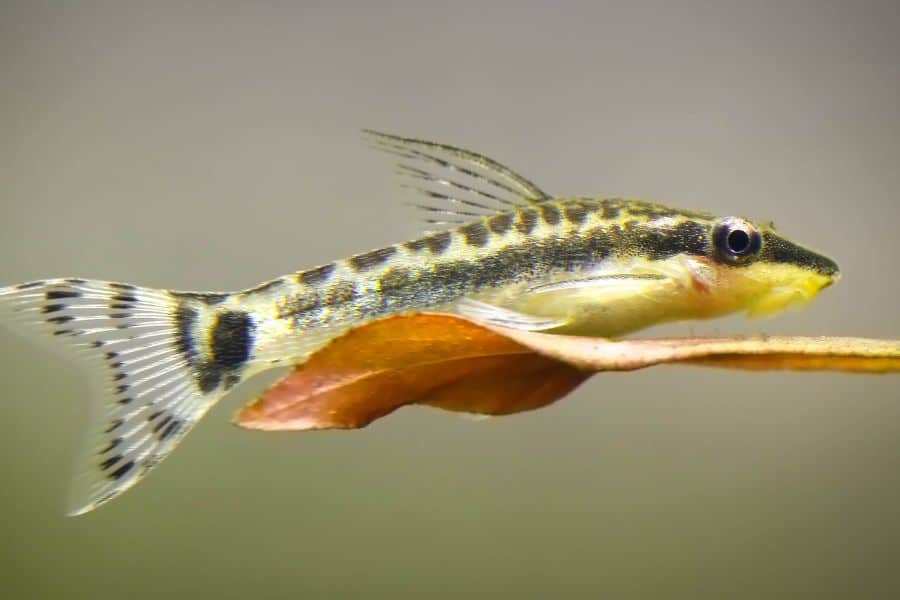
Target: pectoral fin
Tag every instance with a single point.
(614, 283)
(505, 317)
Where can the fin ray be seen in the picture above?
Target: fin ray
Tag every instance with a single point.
(455, 181)
(505, 317)
(615, 283)
(147, 393)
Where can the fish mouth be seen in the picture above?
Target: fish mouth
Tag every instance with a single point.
(795, 294)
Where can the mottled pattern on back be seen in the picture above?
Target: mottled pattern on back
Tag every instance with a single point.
(524, 244)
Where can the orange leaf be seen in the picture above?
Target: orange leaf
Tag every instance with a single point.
(439, 360)
(454, 364)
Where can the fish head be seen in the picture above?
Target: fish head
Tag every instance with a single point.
(763, 272)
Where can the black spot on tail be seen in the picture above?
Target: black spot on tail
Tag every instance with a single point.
(232, 339)
(185, 318)
(230, 345)
(208, 378)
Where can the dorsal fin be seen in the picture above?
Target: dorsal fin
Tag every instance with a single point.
(459, 185)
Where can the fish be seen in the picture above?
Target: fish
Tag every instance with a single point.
(497, 250)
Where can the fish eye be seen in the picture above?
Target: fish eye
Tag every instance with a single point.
(736, 240)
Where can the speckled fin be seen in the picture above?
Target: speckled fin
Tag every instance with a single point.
(458, 185)
(135, 348)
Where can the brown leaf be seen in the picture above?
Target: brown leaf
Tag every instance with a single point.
(855, 355)
(454, 364)
(439, 360)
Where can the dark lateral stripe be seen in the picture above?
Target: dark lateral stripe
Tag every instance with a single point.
(475, 234)
(362, 262)
(317, 275)
(446, 281)
(687, 237)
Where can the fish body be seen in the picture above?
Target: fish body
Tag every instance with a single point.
(507, 254)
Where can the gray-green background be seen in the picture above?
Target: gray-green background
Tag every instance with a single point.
(212, 145)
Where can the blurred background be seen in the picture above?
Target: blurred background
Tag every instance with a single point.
(213, 145)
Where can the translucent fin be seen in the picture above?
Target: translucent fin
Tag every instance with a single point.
(613, 283)
(150, 382)
(504, 317)
(458, 185)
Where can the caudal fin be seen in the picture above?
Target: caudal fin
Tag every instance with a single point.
(155, 370)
